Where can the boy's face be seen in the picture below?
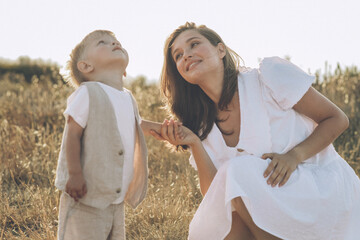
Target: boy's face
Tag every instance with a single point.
(104, 52)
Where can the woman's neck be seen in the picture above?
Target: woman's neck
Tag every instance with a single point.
(213, 85)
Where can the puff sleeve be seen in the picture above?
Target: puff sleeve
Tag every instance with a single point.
(78, 106)
(286, 82)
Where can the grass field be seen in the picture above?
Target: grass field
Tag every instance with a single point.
(31, 126)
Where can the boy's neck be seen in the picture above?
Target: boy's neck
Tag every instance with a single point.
(111, 78)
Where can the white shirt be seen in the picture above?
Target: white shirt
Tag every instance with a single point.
(78, 109)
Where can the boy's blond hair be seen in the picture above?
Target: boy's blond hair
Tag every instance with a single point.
(75, 77)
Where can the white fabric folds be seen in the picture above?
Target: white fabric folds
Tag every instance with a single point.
(321, 200)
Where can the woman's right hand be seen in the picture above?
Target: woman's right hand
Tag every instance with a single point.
(175, 133)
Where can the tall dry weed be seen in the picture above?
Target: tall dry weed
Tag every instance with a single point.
(31, 126)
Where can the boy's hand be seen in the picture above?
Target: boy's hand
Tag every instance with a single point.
(175, 133)
(76, 186)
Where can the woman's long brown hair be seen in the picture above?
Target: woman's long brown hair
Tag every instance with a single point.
(188, 102)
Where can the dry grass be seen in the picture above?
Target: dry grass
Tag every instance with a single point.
(31, 125)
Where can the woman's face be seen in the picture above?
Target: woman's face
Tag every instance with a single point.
(195, 57)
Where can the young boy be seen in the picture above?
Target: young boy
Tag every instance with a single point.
(103, 157)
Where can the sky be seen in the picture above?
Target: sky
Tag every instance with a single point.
(311, 32)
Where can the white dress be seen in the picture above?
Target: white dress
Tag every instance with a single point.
(321, 200)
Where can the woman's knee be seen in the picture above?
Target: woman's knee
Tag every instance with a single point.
(257, 232)
(239, 230)
(240, 207)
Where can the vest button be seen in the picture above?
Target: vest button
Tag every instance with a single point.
(118, 190)
(121, 152)
(240, 150)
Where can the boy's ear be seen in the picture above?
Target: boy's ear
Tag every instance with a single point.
(221, 50)
(125, 74)
(84, 67)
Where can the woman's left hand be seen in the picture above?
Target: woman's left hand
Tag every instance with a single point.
(281, 167)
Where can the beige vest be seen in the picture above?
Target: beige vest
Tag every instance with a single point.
(102, 155)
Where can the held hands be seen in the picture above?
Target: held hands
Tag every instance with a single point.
(76, 186)
(280, 168)
(175, 133)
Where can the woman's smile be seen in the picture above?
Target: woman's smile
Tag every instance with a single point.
(192, 64)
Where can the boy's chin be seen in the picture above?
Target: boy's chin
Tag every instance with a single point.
(116, 64)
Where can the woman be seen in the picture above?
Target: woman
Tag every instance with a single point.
(260, 140)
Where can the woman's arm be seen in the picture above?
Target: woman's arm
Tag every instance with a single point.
(331, 123)
(330, 119)
(205, 166)
(177, 134)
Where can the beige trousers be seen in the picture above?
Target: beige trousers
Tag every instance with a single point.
(78, 221)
